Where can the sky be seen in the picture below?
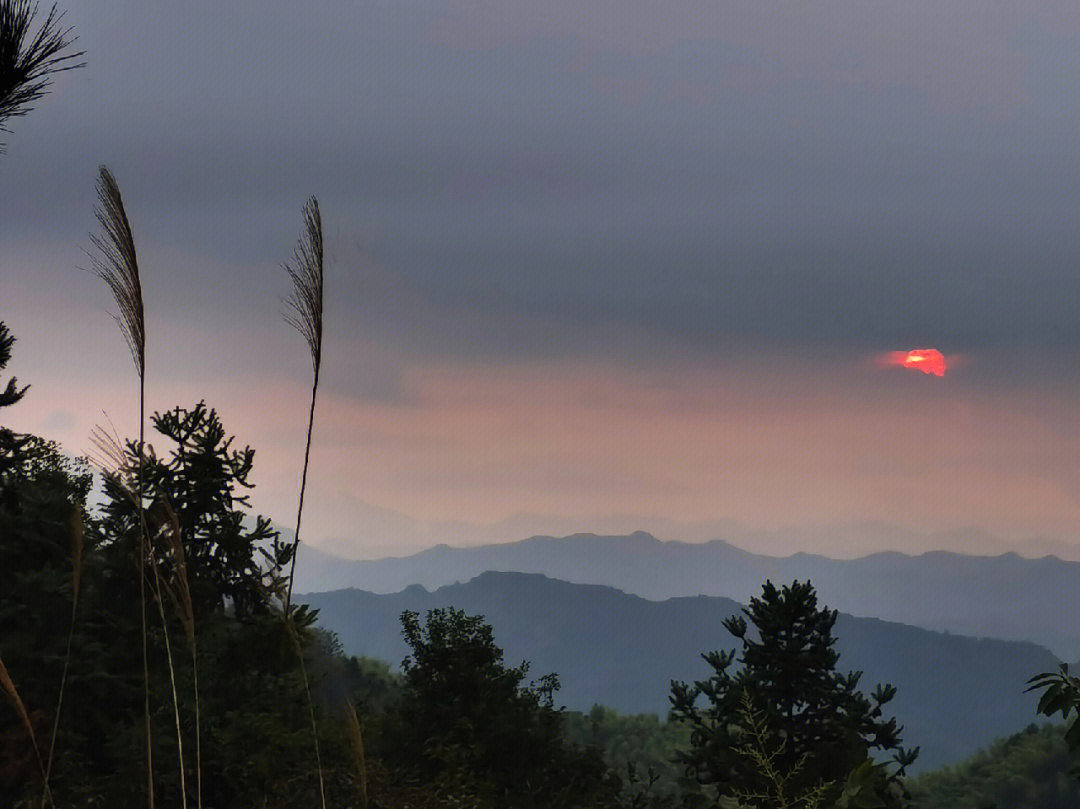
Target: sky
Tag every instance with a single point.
(591, 265)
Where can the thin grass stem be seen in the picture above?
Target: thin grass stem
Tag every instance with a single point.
(8, 687)
(76, 578)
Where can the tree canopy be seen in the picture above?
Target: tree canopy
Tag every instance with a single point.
(466, 717)
(787, 699)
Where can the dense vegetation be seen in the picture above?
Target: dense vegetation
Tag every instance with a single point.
(1028, 770)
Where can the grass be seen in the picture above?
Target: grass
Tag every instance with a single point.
(117, 265)
(304, 312)
(77, 548)
(8, 686)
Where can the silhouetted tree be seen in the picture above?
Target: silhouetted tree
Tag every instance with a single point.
(786, 701)
(200, 484)
(10, 443)
(470, 724)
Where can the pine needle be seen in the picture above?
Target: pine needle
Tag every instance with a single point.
(26, 68)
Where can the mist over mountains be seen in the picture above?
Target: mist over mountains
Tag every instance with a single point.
(390, 533)
(954, 693)
(1006, 596)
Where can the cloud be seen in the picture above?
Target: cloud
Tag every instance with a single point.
(963, 55)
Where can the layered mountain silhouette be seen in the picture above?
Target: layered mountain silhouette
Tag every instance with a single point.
(1007, 596)
(608, 647)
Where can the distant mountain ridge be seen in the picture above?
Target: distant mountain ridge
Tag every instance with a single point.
(1007, 596)
(955, 694)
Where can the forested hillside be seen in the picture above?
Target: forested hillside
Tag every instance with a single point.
(1028, 770)
(622, 651)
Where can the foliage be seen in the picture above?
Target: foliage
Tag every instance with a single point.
(789, 679)
(10, 443)
(467, 721)
(762, 750)
(640, 747)
(254, 728)
(1027, 770)
(1061, 694)
(42, 496)
(197, 489)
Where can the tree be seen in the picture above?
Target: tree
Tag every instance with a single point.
(197, 489)
(241, 694)
(788, 703)
(468, 723)
(10, 443)
(43, 497)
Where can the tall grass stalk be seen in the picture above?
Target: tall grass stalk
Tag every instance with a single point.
(116, 264)
(304, 312)
(13, 694)
(185, 609)
(76, 578)
(172, 679)
(311, 706)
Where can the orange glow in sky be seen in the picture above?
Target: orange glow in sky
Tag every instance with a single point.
(927, 360)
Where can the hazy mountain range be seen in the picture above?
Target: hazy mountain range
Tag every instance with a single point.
(391, 533)
(1007, 596)
(955, 693)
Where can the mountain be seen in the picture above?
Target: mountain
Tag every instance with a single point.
(1006, 596)
(954, 693)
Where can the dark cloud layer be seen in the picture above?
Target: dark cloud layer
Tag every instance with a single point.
(541, 175)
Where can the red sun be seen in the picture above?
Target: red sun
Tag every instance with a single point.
(927, 360)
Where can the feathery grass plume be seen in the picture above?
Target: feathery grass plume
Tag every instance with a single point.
(109, 456)
(357, 741)
(13, 694)
(118, 267)
(304, 312)
(77, 541)
(26, 68)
